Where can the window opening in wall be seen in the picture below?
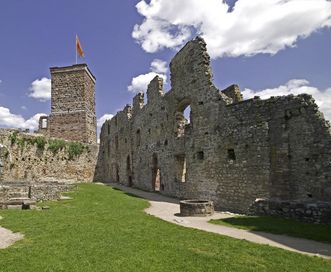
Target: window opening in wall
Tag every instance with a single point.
(156, 174)
(128, 171)
(180, 161)
(183, 118)
(138, 137)
(200, 155)
(187, 114)
(166, 142)
(108, 128)
(44, 123)
(231, 154)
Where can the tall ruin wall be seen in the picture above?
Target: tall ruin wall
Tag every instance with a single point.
(29, 159)
(228, 150)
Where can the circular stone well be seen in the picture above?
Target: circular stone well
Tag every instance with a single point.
(195, 207)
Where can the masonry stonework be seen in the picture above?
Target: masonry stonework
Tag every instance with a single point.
(72, 105)
(228, 150)
(22, 161)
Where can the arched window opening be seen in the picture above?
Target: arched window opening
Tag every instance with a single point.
(187, 114)
(183, 118)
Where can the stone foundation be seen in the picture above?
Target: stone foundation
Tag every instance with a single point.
(306, 211)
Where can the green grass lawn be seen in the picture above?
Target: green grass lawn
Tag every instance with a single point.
(103, 229)
(277, 225)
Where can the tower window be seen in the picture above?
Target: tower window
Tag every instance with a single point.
(231, 154)
(200, 155)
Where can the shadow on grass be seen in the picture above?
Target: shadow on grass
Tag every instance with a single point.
(138, 193)
(276, 225)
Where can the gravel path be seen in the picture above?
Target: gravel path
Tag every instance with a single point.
(7, 237)
(168, 209)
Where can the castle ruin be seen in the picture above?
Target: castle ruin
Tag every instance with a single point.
(228, 150)
(193, 142)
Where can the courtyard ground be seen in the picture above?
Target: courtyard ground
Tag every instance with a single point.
(103, 229)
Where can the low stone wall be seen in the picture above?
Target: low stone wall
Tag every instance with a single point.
(195, 207)
(37, 192)
(33, 158)
(306, 211)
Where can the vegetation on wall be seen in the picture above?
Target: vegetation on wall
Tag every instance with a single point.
(75, 149)
(56, 145)
(15, 138)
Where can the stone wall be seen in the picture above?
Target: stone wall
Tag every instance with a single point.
(72, 104)
(24, 161)
(226, 150)
(306, 211)
(33, 191)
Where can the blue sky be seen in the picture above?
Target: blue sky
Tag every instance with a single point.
(265, 47)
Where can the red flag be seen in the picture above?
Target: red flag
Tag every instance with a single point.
(79, 48)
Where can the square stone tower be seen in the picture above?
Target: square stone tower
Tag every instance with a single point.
(73, 104)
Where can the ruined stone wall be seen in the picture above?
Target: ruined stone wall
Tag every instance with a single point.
(23, 161)
(228, 150)
(73, 104)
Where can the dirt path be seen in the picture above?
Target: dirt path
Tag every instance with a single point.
(7, 237)
(166, 208)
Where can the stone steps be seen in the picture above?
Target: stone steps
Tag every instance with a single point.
(18, 203)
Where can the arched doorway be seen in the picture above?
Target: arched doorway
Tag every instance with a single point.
(156, 174)
(128, 171)
(115, 176)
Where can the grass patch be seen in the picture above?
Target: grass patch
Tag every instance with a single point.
(103, 229)
(321, 233)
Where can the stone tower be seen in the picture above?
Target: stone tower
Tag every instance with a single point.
(73, 104)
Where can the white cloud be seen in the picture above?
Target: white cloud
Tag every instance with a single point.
(159, 66)
(10, 120)
(140, 83)
(252, 27)
(295, 87)
(103, 118)
(0, 81)
(41, 89)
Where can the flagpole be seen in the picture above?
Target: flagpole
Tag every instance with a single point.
(76, 48)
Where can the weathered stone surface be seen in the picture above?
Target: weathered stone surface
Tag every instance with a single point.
(25, 162)
(72, 105)
(228, 150)
(194, 207)
(306, 211)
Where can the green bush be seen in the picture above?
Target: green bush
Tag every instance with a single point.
(13, 137)
(75, 149)
(55, 145)
(41, 142)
